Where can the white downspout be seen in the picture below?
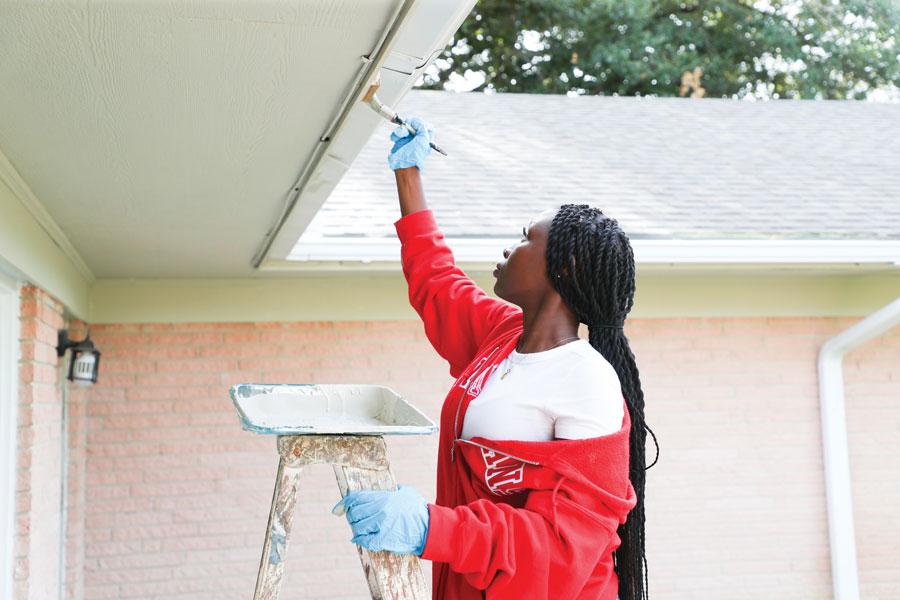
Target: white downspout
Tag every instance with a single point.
(844, 571)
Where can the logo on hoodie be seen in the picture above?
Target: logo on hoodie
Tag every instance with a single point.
(473, 383)
(501, 472)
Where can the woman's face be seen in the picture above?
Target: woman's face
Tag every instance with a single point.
(522, 276)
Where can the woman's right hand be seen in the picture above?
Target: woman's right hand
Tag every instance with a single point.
(411, 150)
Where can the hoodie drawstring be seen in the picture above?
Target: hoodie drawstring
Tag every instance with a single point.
(553, 497)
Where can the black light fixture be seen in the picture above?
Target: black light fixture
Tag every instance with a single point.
(85, 362)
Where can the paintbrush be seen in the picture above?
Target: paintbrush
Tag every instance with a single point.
(371, 99)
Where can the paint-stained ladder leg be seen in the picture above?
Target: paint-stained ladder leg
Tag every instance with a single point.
(390, 576)
(360, 463)
(271, 564)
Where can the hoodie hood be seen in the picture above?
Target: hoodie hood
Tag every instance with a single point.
(591, 472)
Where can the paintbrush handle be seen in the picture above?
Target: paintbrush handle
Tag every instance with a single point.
(413, 131)
(437, 148)
(372, 100)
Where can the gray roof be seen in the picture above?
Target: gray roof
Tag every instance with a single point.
(663, 167)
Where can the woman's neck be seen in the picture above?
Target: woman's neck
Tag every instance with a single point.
(546, 326)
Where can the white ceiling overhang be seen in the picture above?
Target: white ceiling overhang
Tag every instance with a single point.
(171, 139)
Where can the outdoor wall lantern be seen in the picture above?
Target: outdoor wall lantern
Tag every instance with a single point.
(85, 362)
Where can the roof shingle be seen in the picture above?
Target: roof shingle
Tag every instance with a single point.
(665, 168)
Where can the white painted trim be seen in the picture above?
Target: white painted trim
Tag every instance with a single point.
(9, 401)
(409, 41)
(22, 191)
(844, 569)
(675, 251)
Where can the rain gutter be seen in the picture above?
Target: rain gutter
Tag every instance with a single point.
(844, 568)
(366, 72)
(344, 251)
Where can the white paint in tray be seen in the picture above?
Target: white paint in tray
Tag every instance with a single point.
(315, 409)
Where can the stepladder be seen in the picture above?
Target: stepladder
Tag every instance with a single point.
(360, 463)
(342, 425)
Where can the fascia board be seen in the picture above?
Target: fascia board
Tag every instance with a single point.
(488, 251)
(424, 29)
(34, 248)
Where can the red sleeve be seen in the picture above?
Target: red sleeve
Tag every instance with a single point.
(458, 315)
(517, 552)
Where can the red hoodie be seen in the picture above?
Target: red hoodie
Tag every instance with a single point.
(512, 519)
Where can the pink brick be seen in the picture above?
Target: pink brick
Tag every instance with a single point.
(196, 365)
(33, 328)
(109, 436)
(44, 373)
(164, 379)
(129, 366)
(29, 290)
(97, 477)
(38, 471)
(129, 339)
(134, 407)
(298, 338)
(163, 326)
(184, 338)
(136, 421)
(242, 337)
(243, 350)
(154, 531)
(279, 364)
(147, 392)
(102, 592)
(130, 449)
(38, 393)
(294, 376)
(53, 317)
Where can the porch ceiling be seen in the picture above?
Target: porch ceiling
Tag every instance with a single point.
(164, 137)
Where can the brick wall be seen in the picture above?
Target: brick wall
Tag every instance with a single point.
(736, 506)
(38, 525)
(76, 427)
(40, 471)
(177, 495)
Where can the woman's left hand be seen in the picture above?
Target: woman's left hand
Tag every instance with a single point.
(392, 520)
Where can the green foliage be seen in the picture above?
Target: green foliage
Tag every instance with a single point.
(778, 49)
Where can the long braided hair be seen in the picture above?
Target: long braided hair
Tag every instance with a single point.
(591, 264)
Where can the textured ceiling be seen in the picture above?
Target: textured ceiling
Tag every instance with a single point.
(163, 136)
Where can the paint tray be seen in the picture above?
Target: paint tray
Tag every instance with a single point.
(317, 409)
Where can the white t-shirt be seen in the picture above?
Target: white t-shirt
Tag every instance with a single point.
(570, 392)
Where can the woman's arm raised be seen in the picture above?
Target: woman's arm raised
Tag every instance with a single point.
(409, 188)
(458, 315)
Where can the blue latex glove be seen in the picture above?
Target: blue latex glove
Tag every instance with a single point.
(392, 520)
(409, 150)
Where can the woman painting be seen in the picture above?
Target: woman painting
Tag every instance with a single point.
(540, 475)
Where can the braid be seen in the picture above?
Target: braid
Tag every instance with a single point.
(591, 264)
